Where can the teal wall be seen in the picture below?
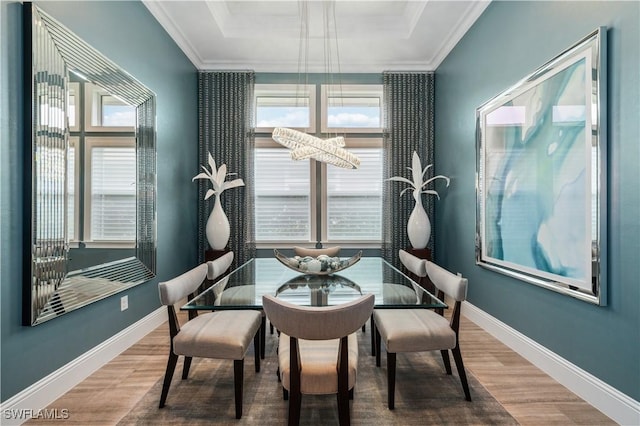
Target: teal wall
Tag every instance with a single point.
(127, 33)
(509, 41)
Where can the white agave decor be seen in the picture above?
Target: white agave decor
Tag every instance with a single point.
(217, 228)
(419, 225)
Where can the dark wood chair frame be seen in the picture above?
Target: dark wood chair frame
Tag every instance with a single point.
(238, 364)
(457, 356)
(294, 395)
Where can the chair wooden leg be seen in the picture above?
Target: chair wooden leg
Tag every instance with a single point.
(457, 356)
(378, 345)
(351, 393)
(263, 336)
(343, 408)
(256, 350)
(295, 402)
(285, 394)
(168, 375)
(373, 336)
(391, 379)
(238, 379)
(445, 360)
(186, 367)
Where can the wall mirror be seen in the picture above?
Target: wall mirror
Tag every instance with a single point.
(90, 173)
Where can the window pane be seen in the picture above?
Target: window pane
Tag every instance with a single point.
(281, 196)
(71, 107)
(113, 193)
(354, 198)
(116, 113)
(282, 112)
(359, 112)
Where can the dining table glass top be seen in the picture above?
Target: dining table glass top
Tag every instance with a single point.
(244, 287)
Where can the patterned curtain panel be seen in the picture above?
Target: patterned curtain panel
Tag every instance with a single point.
(225, 122)
(408, 126)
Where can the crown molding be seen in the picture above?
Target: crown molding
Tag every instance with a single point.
(161, 15)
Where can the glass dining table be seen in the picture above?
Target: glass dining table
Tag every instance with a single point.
(244, 287)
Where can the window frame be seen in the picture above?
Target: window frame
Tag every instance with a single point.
(74, 143)
(74, 87)
(264, 142)
(91, 142)
(92, 93)
(369, 142)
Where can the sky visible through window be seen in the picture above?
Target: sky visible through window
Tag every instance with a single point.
(289, 116)
(118, 115)
(362, 117)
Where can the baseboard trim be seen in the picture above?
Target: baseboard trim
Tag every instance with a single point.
(621, 408)
(27, 403)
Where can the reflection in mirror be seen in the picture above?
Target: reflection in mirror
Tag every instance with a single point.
(91, 169)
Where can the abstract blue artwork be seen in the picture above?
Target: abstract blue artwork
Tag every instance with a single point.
(539, 174)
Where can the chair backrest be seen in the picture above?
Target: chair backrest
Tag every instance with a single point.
(314, 252)
(315, 322)
(174, 290)
(217, 267)
(451, 284)
(414, 264)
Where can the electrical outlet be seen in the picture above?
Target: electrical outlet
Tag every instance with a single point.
(124, 303)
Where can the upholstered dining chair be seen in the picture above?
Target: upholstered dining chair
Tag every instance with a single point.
(421, 330)
(314, 252)
(318, 350)
(415, 267)
(219, 335)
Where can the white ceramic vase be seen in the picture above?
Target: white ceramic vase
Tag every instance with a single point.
(217, 227)
(419, 226)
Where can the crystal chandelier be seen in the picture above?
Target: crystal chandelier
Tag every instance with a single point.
(302, 145)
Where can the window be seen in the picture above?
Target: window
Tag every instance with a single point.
(307, 201)
(285, 105)
(354, 199)
(101, 168)
(104, 112)
(352, 108)
(73, 107)
(72, 189)
(282, 196)
(110, 192)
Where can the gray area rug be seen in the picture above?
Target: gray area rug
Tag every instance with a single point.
(425, 395)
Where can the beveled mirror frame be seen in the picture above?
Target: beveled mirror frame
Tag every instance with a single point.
(51, 53)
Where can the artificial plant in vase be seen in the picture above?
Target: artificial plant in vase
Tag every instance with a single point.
(217, 228)
(419, 225)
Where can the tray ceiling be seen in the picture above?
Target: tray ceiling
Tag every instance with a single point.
(373, 35)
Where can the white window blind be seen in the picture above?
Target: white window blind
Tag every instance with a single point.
(354, 199)
(281, 196)
(113, 193)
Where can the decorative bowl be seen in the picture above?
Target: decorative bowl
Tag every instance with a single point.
(321, 265)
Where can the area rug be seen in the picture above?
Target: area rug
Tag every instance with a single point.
(425, 395)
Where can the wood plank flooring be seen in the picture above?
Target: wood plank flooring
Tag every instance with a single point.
(529, 395)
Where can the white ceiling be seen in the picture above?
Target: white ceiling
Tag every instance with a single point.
(264, 36)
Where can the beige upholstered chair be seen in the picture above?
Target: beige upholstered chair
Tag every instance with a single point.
(415, 268)
(318, 350)
(220, 335)
(314, 252)
(420, 330)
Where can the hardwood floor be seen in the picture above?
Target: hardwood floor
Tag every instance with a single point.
(529, 395)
